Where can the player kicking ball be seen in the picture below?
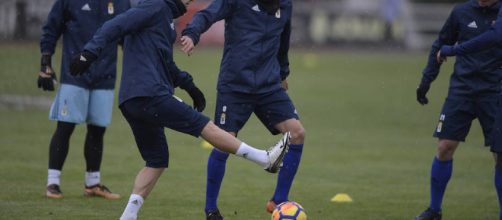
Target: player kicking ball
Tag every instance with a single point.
(146, 94)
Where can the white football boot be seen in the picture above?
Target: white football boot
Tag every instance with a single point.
(276, 153)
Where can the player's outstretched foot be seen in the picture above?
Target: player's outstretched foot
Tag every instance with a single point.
(54, 192)
(214, 215)
(429, 215)
(270, 206)
(101, 191)
(276, 153)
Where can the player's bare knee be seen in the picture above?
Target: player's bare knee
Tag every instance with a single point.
(446, 149)
(297, 135)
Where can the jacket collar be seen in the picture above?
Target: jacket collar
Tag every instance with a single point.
(475, 4)
(177, 7)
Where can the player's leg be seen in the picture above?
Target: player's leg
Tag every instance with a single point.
(231, 113)
(277, 112)
(69, 108)
(453, 126)
(498, 180)
(58, 150)
(168, 111)
(152, 144)
(98, 118)
(270, 159)
(291, 162)
(496, 146)
(216, 166)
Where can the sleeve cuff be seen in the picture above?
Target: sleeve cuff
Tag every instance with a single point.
(448, 51)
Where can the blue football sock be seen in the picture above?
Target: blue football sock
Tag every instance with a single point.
(215, 172)
(287, 173)
(440, 175)
(498, 187)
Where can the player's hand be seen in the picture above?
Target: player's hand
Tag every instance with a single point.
(199, 101)
(440, 58)
(445, 51)
(46, 77)
(81, 62)
(422, 92)
(187, 45)
(285, 84)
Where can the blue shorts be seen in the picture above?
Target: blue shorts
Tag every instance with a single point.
(457, 115)
(79, 105)
(497, 129)
(234, 109)
(148, 116)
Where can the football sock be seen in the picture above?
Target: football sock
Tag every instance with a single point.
(440, 175)
(498, 182)
(258, 156)
(93, 147)
(92, 178)
(132, 208)
(215, 172)
(60, 142)
(53, 177)
(287, 173)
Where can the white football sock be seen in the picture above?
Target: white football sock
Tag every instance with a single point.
(92, 178)
(258, 156)
(132, 208)
(53, 177)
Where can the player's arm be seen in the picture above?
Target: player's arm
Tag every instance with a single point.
(282, 55)
(184, 80)
(202, 21)
(484, 41)
(130, 21)
(51, 32)
(448, 35)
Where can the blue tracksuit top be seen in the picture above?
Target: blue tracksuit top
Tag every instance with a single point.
(148, 68)
(255, 54)
(76, 21)
(474, 75)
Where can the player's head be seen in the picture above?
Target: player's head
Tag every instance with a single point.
(486, 3)
(182, 7)
(187, 2)
(270, 6)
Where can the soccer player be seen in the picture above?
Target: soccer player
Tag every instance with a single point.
(473, 92)
(79, 100)
(252, 79)
(146, 93)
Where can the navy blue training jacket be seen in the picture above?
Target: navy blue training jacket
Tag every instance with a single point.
(475, 75)
(491, 38)
(148, 67)
(255, 56)
(76, 21)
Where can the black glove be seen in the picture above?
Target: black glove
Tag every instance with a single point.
(81, 62)
(46, 76)
(270, 6)
(199, 101)
(422, 90)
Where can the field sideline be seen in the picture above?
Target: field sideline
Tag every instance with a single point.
(366, 136)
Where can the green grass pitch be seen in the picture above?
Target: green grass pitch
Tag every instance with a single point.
(366, 136)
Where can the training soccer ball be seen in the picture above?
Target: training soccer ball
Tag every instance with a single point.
(289, 210)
